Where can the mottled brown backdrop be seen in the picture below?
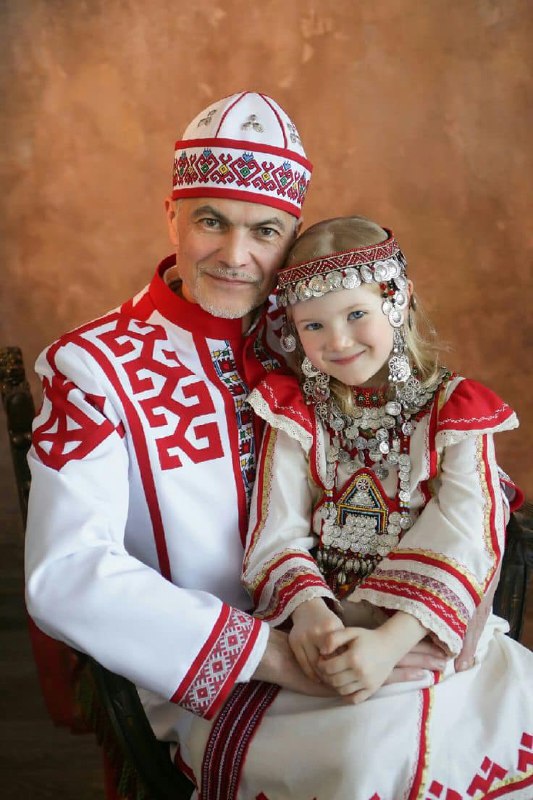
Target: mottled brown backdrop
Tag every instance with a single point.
(417, 113)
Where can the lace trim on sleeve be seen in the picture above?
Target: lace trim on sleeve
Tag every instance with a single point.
(278, 421)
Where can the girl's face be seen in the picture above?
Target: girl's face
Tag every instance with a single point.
(346, 335)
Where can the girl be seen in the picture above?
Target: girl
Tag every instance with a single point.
(378, 519)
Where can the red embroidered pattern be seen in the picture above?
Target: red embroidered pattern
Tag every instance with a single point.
(420, 595)
(172, 396)
(293, 581)
(230, 736)
(339, 261)
(525, 756)
(221, 659)
(238, 170)
(74, 427)
(436, 587)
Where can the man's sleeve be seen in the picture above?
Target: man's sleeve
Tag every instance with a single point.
(85, 588)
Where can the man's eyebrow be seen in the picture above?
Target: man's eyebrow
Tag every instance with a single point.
(208, 210)
(265, 223)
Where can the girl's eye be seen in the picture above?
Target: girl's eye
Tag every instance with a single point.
(356, 314)
(312, 326)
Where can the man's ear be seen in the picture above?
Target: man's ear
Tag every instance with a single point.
(172, 219)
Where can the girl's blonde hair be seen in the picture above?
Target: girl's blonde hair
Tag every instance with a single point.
(345, 233)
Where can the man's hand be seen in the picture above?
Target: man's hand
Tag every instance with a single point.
(279, 665)
(465, 659)
(422, 657)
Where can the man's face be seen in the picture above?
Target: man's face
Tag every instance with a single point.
(228, 251)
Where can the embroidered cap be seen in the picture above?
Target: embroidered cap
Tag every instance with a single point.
(243, 147)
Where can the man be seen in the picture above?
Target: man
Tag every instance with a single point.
(144, 450)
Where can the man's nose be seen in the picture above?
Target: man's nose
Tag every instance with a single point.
(235, 250)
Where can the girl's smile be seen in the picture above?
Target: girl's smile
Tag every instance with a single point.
(346, 334)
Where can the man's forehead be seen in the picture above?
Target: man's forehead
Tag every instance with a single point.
(238, 211)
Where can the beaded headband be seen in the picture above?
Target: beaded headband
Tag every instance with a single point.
(383, 263)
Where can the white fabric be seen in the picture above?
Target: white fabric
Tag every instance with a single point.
(468, 736)
(136, 464)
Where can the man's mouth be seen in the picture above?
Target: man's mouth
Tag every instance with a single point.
(233, 278)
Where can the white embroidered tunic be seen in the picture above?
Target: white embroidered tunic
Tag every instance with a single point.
(447, 736)
(438, 570)
(143, 462)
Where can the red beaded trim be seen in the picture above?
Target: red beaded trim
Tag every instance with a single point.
(339, 261)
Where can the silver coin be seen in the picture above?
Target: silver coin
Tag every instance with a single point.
(396, 318)
(394, 530)
(335, 280)
(366, 273)
(393, 408)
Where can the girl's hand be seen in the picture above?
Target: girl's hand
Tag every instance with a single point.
(312, 622)
(360, 663)
(356, 662)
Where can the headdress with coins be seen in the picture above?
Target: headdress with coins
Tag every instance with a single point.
(376, 433)
(243, 147)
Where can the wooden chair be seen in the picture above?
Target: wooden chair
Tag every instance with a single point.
(82, 694)
(79, 693)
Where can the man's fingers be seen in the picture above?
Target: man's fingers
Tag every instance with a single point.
(303, 659)
(404, 674)
(423, 660)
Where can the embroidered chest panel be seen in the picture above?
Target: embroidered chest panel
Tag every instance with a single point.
(226, 369)
(360, 525)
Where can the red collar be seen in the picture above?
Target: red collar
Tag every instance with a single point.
(188, 315)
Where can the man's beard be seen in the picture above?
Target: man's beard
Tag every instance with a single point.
(225, 312)
(204, 299)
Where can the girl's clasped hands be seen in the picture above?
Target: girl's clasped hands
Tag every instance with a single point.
(353, 661)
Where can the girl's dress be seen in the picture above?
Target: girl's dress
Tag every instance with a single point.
(451, 736)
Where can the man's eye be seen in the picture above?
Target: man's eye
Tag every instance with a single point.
(267, 233)
(210, 222)
(356, 314)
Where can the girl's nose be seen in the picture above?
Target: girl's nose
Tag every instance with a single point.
(339, 339)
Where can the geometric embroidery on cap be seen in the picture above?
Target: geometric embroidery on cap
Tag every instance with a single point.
(274, 176)
(218, 663)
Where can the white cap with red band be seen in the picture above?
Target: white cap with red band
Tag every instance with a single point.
(243, 147)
